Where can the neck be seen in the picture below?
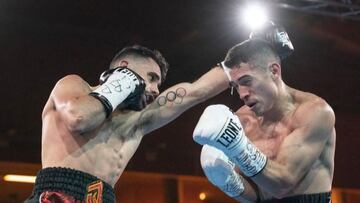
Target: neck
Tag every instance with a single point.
(283, 104)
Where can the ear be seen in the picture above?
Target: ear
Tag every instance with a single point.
(123, 63)
(275, 70)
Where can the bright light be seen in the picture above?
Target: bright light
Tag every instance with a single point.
(202, 196)
(19, 178)
(254, 16)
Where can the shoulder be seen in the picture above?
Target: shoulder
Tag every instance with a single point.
(72, 83)
(314, 111)
(70, 79)
(70, 86)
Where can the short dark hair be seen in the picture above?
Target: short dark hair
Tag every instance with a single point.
(254, 51)
(143, 52)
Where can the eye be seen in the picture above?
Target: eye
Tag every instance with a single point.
(246, 82)
(152, 77)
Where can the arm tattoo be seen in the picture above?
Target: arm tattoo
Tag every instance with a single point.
(176, 97)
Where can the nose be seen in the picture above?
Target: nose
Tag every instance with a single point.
(152, 89)
(244, 92)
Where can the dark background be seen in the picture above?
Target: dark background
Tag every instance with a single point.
(42, 41)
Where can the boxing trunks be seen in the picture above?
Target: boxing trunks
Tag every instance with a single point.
(64, 185)
(308, 198)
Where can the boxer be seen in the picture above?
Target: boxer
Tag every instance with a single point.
(281, 142)
(90, 133)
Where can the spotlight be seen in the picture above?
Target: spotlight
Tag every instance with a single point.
(254, 16)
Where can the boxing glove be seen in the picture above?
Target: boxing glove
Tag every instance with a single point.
(220, 171)
(220, 128)
(117, 85)
(277, 36)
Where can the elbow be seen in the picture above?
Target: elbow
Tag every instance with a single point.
(74, 120)
(75, 124)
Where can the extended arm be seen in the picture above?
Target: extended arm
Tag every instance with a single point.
(175, 100)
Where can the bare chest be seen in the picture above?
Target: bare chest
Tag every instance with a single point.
(267, 138)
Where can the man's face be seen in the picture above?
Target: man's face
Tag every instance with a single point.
(149, 70)
(255, 87)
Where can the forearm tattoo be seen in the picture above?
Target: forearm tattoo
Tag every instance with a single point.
(176, 97)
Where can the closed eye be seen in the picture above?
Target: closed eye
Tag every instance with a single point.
(242, 81)
(245, 80)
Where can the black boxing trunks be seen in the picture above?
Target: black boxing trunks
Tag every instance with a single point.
(64, 185)
(308, 198)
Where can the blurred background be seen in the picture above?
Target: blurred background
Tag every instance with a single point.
(42, 41)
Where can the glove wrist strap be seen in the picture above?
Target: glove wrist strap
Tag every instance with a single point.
(239, 148)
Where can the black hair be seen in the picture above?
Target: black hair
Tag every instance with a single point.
(143, 52)
(257, 52)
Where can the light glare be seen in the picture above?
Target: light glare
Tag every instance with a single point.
(202, 196)
(19, 178)
(254, 16)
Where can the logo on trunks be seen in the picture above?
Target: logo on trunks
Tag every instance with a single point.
(94, 192)
(229, 134)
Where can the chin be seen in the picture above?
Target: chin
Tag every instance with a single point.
(258, 112)
(149, 98)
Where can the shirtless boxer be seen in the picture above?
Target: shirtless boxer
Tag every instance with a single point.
(279, 146)
(90, 133)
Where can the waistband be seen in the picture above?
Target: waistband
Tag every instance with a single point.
(324, 197)
(75, 183)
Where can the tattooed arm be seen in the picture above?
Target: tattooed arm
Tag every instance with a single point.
(177, 99)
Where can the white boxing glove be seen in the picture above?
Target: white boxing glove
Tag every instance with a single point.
(116, 85)
(220, 171)
(220, 128)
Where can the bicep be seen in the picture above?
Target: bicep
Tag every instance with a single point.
(297, 154)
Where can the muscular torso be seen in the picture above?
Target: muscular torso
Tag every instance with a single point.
(270, 137)
(103, 152)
